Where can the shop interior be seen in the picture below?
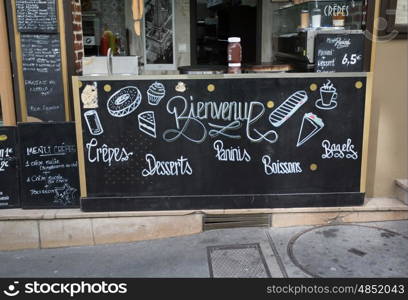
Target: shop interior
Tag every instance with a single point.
(190, 37)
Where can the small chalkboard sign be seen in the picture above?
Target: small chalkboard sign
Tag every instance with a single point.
(339, 52)
(9, 185)
(43, 76)
(49, 166)
(36, 16)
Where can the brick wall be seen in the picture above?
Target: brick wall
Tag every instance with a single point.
(77, 35)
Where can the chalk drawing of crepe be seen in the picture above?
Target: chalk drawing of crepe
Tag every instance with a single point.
(311, 125)
(124, 102)
(284, 111)
(65, 195)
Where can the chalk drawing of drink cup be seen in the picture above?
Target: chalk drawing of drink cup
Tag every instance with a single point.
(93, 122)
(328, 96)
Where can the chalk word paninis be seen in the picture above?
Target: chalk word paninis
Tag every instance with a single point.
(106, 154)
(280, 167)
(231, 154)
(339, 151)
(166, 168)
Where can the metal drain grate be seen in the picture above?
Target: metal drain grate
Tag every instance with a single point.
(237, 261)
(212, 221)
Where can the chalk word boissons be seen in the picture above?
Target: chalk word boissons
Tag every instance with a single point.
(279, 167)
(166, 168)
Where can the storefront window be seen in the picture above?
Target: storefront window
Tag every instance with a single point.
(158, 29)
(167, 35)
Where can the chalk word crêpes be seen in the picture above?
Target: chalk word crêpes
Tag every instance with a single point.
(280, 167)
(231, 154)
(181, 166)
(339, 151)
(190, 116)
(106, 154)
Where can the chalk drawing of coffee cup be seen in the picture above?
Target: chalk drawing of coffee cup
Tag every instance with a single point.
(328, 97)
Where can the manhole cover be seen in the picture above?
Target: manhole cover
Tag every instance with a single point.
(237, 261)
(350, 250)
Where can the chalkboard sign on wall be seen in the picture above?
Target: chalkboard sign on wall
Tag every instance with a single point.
(49, 166)
(36, 16)
(339, 52)
(180, 144)
(9, 184)
(43, 77)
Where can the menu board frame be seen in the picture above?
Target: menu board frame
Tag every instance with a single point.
(272, 198)
(45, 166)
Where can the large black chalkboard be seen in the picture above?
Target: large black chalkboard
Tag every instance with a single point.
(339, 52)
(210, 138)
(43, 76)
(9, 184)
(36, 16)
(49, 166)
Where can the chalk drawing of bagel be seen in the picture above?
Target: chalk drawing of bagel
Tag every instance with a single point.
(124, 102)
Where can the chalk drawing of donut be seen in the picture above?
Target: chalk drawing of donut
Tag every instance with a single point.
(124, 101)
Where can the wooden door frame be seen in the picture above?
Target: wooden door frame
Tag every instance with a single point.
(6, 79)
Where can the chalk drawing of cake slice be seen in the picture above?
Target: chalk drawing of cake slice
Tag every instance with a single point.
(155, 93)
(311, 125)
(147, 123)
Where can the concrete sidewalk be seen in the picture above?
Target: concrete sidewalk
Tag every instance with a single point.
(377, 249)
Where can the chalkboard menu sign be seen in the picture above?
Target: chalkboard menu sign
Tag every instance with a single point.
(43, 76)
(36, 16)
(220, 143)
(9, 185)
(49, 166)
(339, 52)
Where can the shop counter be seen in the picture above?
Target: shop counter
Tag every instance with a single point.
(220, 141)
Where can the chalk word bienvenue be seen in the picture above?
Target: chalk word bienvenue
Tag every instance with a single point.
(280, 167)
(190, 115)
(339, 151)
(106, 154)
(166, 168)
(232, 154)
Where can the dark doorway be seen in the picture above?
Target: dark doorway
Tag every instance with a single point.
(212, 22)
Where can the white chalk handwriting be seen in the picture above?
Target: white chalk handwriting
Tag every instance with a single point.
(48, 150)
(190, 114)
(5, 156)
(166, 168)
(106, 154)
(231, 154)
(280, 167)
(339, 151)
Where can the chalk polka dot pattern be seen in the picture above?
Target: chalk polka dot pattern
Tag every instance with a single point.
(107, 88)
(313, 167)
(359, 84)
(270, 104)
(211, 88)
(313, 87)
